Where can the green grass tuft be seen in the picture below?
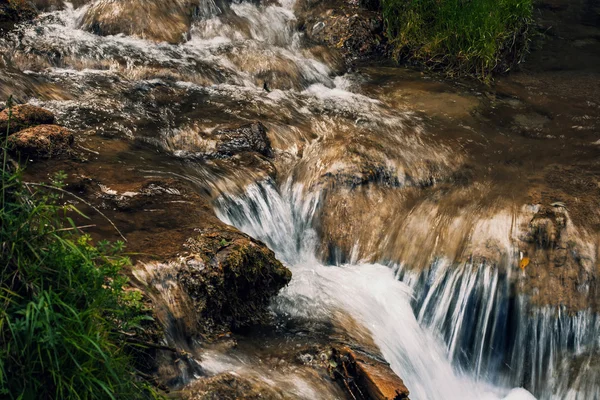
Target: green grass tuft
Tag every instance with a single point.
(64, 308)
(473, 37)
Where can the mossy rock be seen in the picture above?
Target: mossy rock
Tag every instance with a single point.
(42, 141)
(24, 116)
(231, 277)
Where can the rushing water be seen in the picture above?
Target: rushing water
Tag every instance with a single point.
(454, 330)
(450, 329)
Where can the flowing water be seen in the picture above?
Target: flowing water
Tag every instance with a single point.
(455, 328)
(450, 329)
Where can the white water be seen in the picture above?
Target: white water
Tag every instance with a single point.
(370, 293)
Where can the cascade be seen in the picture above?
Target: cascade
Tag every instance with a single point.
(451, 330)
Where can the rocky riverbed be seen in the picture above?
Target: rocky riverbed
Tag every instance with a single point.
(288, 121)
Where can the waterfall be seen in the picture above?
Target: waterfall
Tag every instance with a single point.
(407, 317)
(501, 337)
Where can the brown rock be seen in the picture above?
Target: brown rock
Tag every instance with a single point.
(250, 137)
(23, 116)
(231, 277)
(42, 141)
(225, 143)
(357, 32)
(366, 377)
(156, 20)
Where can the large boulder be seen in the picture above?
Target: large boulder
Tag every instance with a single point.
(42, 141)
(230, 277)
(24, 116)
(157, 20)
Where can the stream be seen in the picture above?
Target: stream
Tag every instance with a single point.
(368, 206)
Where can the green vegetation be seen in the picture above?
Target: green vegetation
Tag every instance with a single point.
(65, 309)
(475, 37)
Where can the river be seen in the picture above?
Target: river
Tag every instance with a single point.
(398, 199)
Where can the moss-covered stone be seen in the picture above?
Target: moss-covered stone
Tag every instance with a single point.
(42, 141)
(24, 116)
(231, 277)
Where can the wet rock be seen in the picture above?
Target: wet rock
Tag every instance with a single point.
(157, 20)
(227, 386)
(13, 12)
(531, 125)
(137, 197)
(223, 143)
(42, 141)
(366, 377)
(231, 277)
(358, 33)
(24, 116)
(251, 137)
(547, 227)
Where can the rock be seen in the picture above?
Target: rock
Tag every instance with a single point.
(231, 277)
(157, 20)
(357, 32)
(547, 227)
(14, 12)
(224, 143)
(251, 137)
(366, 377)
(42, 141)
(24, 116)
(227, 386)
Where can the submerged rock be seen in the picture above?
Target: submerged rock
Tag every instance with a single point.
(160, 21)
(223, 143)
(250, 137)
(42, 141)
(227, 386)
(24, 116)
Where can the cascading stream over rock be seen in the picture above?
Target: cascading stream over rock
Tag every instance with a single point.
(399, 202)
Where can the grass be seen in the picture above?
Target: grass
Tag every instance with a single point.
(65, 309)
(459, 37)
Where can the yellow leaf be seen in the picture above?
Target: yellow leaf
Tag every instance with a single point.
(524, 263)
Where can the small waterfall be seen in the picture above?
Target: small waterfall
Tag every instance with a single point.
(502, 338)
(282, 221)
(370, 293)
(207, 9)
